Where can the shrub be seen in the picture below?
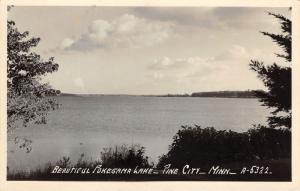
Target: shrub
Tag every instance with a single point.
(270, 143)
(125, 156)
(206, 146)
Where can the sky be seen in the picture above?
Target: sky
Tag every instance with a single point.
(151, 50)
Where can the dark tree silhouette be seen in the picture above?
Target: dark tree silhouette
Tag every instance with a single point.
(277, 78)
(27, 96)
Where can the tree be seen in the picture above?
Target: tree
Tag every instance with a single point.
(28, 98)
(277, 78)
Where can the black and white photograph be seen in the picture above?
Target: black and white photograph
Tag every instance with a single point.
(149, 93)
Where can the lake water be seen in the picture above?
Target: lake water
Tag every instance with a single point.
(86, 124)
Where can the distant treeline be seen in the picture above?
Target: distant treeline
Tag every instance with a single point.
(226, 94)
(221, 94)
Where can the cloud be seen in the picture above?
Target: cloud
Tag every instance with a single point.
(180, 15)
(182, 69)
(67, 42)
(193, 74)
(212, 17)
(148, 26)
(126, 31)
(166, 63)
(230, 62)
(233, 52)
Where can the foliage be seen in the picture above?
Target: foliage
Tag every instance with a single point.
(268, 143)
(207, 146)
(24, 143)
(124, 156)
(27, 97)
(226, 94)
(277, 78)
